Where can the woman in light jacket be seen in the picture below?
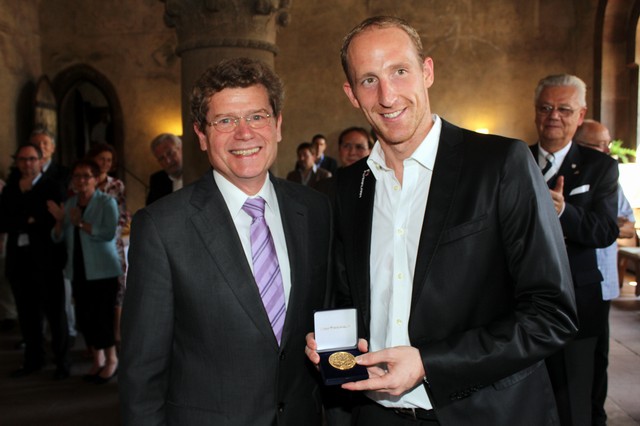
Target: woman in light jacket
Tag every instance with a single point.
(87, 222)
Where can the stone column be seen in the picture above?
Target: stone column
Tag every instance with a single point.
(209, 31)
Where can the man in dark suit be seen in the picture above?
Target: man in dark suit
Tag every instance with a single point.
(583, 185)
(33, 264)
(167, 148)
(199, 345)
(322, 160)
(307, 171)
(440, 237)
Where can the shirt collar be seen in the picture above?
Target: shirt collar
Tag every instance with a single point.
(558, 156)
(425, 153)
(37, 178)
(235, 198)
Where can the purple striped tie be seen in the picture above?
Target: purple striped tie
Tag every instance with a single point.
(266, 268)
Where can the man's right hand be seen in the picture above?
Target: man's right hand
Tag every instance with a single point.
(556, 195)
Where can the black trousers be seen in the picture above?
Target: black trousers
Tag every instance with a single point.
(369, 413)
(95, 310)
(39, 295)
(600, 364)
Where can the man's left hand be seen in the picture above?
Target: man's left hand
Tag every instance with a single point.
(393, 370)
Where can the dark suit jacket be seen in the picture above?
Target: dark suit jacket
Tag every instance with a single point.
(159, 185)
(60, 174)
(329, 163)
(27, 213)
(318, 176)
(589, 221)
(198, 348)
(484, 313)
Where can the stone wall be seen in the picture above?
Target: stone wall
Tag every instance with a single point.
(488, 58)
(19, 70)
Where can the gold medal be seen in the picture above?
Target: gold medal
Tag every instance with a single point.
(342, 360)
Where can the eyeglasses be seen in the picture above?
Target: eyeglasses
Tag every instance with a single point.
(228, 124)
(564, 111)
(348, 146)
(25, 159)
(81, 176)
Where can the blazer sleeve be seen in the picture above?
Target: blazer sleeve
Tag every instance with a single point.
(145, 357)
(103, 218)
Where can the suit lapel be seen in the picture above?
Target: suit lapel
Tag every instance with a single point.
(447, 169)
(294, 220)
(363, 220)
(570, 168)
(218, 233)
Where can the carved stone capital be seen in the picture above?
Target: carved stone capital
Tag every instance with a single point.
(226, 23)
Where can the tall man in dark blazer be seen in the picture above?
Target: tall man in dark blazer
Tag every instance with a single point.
(199, 346)
(167, 148)
(583, 184)
(441, 234)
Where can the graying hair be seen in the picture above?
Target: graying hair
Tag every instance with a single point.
(43, 131)
(163, 137)
(563, 80)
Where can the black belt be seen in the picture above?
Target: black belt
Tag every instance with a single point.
(415, 413)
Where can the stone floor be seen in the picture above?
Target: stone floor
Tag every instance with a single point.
(38, 401)
(623, 399)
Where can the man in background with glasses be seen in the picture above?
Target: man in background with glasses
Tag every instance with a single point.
(226, 273)
(33, 264)
(583, 184)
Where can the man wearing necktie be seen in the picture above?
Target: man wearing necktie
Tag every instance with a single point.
(225, 274)
(583, 185)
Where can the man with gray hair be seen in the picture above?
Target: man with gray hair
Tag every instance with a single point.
(46, 140)
(583, 184)
(167, 148)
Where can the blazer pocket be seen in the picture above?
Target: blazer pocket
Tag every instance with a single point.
(465, 229)
(579, 190)
(516, 377)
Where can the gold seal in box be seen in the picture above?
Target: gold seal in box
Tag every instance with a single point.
(342, 360)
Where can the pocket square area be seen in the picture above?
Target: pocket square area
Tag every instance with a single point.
(579, 190)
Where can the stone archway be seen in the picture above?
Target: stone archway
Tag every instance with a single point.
(75, 88)
(616, 68)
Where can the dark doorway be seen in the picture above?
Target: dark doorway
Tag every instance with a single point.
(89, 112)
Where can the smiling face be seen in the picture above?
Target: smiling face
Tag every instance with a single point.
(169, 156)
(353, 147)
(46, 145)
(555, 129)
(104, 160)
(390, 86)
(83, 180)
(244, 155)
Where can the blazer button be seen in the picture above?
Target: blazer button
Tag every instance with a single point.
(282, 356)
(281, 407)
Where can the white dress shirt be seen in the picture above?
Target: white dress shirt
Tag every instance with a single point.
(235, 199)
(176, 183)
(398, 215)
